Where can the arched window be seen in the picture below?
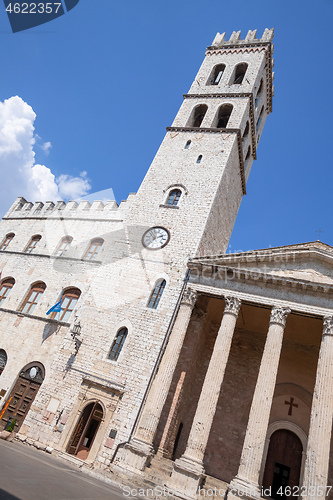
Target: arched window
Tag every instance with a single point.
(63, 246)
(187, 145)
(216, 74)
(68, 303)
(199, 159)
(32, 298)
(248, 154)
(240, 73)
(33, 243)
(156, 294)
(260, 118)
(261, 86)
(94, 249)
(3, 360)
(6, 286)
(246, 130)
(8, 238)
(223, 115)
(197, 115)
(118, 343)
(174, 197)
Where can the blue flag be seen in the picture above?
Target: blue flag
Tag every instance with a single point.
(56, 307)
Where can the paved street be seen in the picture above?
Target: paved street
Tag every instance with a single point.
(29, 474)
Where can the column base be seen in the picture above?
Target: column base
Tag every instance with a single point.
(161, 452)
(240, 488)
(136, 456)
(185, 478)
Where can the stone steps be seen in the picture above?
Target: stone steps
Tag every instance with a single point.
(71, 458)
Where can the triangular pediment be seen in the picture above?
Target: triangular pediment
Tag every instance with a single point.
(306, 262)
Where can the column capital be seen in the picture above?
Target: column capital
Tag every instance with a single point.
(190, 297)
(279, 315)
(328, 325)
(232, 305)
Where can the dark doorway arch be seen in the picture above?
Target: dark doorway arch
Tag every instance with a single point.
(22, 395)
(283, 464)
(86, 430)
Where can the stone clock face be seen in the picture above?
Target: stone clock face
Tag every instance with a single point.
(155, 238)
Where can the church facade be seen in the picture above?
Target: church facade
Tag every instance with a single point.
(130, 340)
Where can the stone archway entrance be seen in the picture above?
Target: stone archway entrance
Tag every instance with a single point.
(86, 430)
(22, 395)
(283, 464)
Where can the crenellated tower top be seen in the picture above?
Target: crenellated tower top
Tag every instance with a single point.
(250, 38)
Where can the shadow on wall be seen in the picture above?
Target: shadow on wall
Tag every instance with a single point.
(4, 495)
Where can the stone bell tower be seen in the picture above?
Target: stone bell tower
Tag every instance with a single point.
(208, 154)
(209, 149)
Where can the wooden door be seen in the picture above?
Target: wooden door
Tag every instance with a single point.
(20, 400)
(78, 432)
(283, 464)
(85, 431)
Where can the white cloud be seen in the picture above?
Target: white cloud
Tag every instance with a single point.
(46, 146)
(73, 187)
(20, 175)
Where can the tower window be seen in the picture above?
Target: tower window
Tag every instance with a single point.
(199, 159)
(174, 197)
(223, 115)
(63, 246)
(187, 145)
(261, 86)
(94, 249)
(156, 294)
(3, 360)
(6, 241)
(240, 73)
(260, 118)
(197, 115)
(118, 343)
(6, 286)
(246, 130)
(248, 154)
(216, 74)
(68, 303)
(33, 243)
(33, 297)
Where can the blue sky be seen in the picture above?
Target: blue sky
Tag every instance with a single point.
(106, 79)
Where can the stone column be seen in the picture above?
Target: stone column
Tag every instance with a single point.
(319, 442)
(245, 484)
(139, 450)
(188, 470)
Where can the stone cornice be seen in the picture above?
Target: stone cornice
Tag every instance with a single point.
(47, 256)
(261, 300)
(240, 44)
(256, 276)
(98, 379)
(212, 130)
(31, 316)
(62, 218)
(319, 250)
(249, 96)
